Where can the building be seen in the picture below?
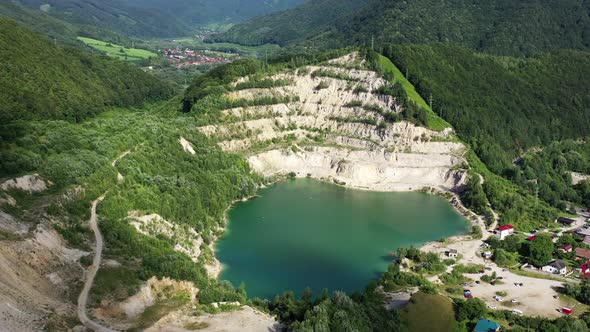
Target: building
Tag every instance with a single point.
(586, 239)
(485, 325)
(582, 253)
(566, 248)
(583, 231)
(487, 254)
(585, 270)
(556, 267)
(565, 221)
(453, 253)
(503, 231)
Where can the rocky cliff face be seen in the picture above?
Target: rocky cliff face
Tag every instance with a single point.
(335, 130)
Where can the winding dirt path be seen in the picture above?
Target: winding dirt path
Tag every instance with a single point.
(91, 272)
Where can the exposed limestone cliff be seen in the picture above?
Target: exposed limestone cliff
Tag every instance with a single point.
(336, 130)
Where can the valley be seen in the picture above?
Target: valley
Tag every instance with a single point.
(292, 165)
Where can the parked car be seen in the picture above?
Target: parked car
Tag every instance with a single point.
(514, 301)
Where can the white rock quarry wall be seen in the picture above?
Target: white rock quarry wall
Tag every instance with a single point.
(331, 139)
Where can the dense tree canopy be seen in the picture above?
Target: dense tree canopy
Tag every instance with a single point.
(41, 80)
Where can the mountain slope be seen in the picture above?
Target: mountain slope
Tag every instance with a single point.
(214, 11)
(135, 18)
(40, 80)
(498, 26)
(294, 24)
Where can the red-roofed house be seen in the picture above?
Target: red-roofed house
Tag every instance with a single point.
(582, 253)
(503, 231)
(531, 238)
(585, 269)
(566, 248)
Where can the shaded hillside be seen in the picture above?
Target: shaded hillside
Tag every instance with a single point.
(59, 30)
(202, 12)
(498, 26)
(134, 18)
(111, 15)
(501, 105)
(294, 24)
(40, 80)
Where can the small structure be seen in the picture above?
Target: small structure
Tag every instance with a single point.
(566, 248)
(582, 253)
(487, 254)
(503, 231)
(486, 325)
(452, 253)
(556, 267)
(586, 239)
(565, 221)
(583, 231)
(531, 238)
(585, 270)
(567, 311)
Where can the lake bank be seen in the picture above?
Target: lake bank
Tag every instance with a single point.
(341, 239)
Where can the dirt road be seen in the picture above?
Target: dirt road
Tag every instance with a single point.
(91, 273)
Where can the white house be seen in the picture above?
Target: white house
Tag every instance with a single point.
(556, 267)
(453, 253)
(503, 231)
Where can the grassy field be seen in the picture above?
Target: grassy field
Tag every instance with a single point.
(118, 51)
(431, 313)
(434, 121)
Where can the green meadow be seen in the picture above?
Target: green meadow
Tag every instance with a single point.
(118, 51)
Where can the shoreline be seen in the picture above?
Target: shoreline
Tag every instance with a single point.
(215, 269)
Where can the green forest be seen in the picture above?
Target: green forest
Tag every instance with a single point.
(521, 104)
(504, 107)
(42, 81)
(503, 27)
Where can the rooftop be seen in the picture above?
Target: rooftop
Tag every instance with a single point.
(581, 252)
(505, 227)
(558, 264)
(485, 325)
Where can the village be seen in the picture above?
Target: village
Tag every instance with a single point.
(188, 57)
(499, 277)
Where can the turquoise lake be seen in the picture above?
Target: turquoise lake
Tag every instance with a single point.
(305, 233)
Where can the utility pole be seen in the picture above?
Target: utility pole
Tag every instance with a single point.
(55, 41)
(266, 59)
(430, 101)
(536, 190)
(372, 43)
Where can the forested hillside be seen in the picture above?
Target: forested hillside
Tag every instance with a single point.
(505, 106)
(201, 12)
(294, 24)
(41, 80)
(504, 27)
(111, 19)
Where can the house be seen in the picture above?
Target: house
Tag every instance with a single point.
(583, 231)
(586, 239)
(556, 267)
(452, 253)
(566, 248)
(531, 238)
(585, 270)
(485, 325)
(582, 253)
(565, 221)
(503, 231)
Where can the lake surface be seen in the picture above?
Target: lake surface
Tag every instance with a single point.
(305, 233)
